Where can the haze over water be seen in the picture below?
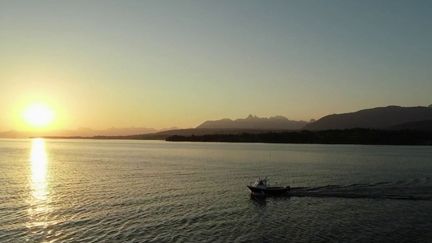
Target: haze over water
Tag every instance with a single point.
(89, 190)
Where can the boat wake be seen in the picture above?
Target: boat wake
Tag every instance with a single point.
(416, 189)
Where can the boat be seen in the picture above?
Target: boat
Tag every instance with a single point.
(261, 188)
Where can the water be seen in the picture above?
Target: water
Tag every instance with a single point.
(137, 191)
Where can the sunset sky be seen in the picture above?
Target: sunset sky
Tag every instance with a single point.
(160, 64)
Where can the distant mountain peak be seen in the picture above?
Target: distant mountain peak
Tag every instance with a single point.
(254, 122)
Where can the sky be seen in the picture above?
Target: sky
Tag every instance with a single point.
(161, 64)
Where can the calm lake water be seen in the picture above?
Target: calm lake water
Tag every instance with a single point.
(137, 191)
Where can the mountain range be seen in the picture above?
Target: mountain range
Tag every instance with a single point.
(254, 122)
(388, 118)
(384, 118)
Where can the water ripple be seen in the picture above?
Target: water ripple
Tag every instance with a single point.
(150, 192)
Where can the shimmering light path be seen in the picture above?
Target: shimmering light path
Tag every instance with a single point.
(150, 191)
(38, 163)
(38, 209)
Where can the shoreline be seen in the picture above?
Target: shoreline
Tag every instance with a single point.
(358, 136)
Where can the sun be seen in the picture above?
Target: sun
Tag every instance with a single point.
(38, 115)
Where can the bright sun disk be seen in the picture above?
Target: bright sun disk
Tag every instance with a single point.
(38, 115)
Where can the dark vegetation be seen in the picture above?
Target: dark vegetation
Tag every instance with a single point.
(348, 136)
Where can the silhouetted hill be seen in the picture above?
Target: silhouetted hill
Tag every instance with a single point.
(377, 118)
(254, 122)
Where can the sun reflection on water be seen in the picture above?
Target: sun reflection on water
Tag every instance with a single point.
(38, 210)
(38, 162)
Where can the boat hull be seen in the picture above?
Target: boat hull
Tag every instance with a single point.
(269, 191)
